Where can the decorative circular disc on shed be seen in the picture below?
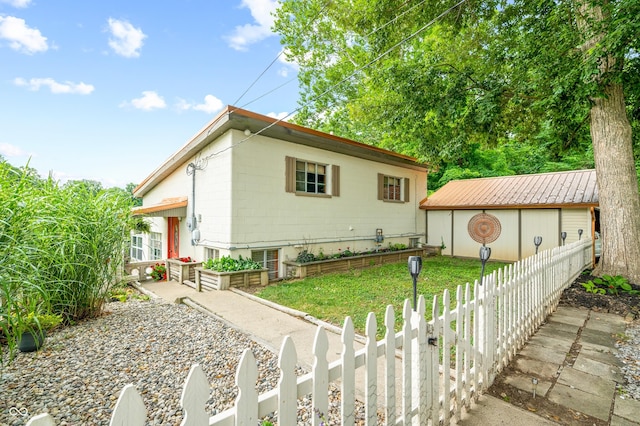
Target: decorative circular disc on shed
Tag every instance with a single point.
(484, 228)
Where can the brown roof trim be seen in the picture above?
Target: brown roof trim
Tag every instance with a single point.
(240, 119)
(166, 204)
(512, 207)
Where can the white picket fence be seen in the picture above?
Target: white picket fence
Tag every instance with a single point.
(485, 330)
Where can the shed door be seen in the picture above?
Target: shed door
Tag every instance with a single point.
(173, 232)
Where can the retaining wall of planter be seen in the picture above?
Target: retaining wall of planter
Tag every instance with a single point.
(301, 270)
(180, 271)
(214, 280)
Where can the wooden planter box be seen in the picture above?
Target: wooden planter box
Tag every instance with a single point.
(182, 271)
(214, 280)
(344, 264)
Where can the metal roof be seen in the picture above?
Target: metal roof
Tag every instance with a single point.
(576, 188)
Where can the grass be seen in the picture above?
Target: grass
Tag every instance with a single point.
(333, 297)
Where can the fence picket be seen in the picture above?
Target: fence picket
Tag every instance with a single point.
(247, 401)
(390, 365)
(348, 384)
(195, 394)
(320, 398)
(41, 420)
(371, 371)
(433, 368)
(406, 362)
(129, 410)
(287, 385)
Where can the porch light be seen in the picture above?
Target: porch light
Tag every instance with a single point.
(563, 235)
(537, 240)
(485, 254)
(415, 266)
(580, 234)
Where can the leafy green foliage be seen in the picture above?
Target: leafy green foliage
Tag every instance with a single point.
(609, 284)
(228, 264)
(61, 247)
(490, 89)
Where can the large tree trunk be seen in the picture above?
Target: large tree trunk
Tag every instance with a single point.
(613, 154)
(617, 186)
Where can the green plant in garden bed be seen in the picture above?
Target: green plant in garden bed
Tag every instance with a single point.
(332, 297)
(229, 264)
(609, 284)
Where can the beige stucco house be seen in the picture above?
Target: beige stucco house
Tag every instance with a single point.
(251, 185)
(522, 207)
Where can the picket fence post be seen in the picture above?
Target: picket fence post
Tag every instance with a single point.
(348, 374)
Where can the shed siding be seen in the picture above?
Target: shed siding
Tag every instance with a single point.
(539, 222)
(505, 248)
(439, 229)
(574, 219)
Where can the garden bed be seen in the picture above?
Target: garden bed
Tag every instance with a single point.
(182, 269)
(293, 269)
(215, 280)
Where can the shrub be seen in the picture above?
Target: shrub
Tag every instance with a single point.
(61, 246)
(228, 264)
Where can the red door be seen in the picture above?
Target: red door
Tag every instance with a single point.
(173, 231)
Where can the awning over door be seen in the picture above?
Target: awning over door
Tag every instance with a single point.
(169, 207)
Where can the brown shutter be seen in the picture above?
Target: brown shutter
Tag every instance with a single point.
(335, 180)
(380, 186)
(290, 174)
(406, 190)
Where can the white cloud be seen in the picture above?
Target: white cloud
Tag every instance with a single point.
(126, 40)
(8, 150)
(284, 116)
(17, 3)
(150, 100)
(211, 104)
(288, 65)
(57, 88)
(20, 36)
(262, 13)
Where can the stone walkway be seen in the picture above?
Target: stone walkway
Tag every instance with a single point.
(572, 358)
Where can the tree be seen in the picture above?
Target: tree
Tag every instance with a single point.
(437, 79)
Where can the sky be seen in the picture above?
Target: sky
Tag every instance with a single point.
(108, 90)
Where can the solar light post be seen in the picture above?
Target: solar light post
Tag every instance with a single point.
(537, 240)
(415, 266)
(485, 254)
(563, 235)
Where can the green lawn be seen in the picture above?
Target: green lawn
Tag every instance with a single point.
(333, 297)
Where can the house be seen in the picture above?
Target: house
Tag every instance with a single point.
(252, 186)
(513, 210)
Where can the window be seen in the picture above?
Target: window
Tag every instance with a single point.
(392, 188)
(137, 253)
(311, 177)
(269, 260)
(306, 177)
(211, 253)
(155, 246)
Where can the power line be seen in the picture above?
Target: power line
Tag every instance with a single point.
(357, 70)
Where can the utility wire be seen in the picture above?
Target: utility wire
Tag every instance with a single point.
(376, 59)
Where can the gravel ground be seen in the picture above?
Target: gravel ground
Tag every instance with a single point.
(78, 375)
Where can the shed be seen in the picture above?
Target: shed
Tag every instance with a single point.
(519, 208)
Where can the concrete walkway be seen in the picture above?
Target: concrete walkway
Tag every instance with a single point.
(585, 383)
